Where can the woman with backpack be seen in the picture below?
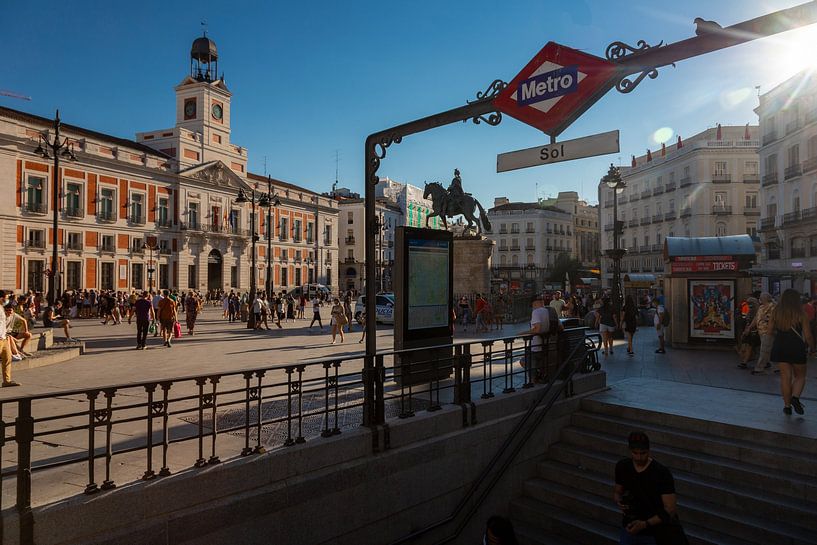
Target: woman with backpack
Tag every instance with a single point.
(792, 341)
(606, 323)
(629, 322)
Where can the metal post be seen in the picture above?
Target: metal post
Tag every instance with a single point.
(55, 204)
(24, 435)
(270, 233)
(251, 314)
(616, 259)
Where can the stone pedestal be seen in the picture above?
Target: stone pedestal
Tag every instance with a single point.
(472, 265)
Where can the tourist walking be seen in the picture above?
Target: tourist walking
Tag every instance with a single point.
(500, 307)
(465, 312)
(347, 310)
(606, 323)
(168, 316)
(762, 324)
(143, 309)
(316, 312)
(792, 342)
(5, 356)
(155, 300)
(645, 493)
(338, 319)
(257, 307)
(192, 307)
(629, 321)
(660, 321)
(301, 306)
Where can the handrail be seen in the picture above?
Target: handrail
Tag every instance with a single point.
(486, 472)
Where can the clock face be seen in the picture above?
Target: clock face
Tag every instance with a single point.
(218, 112)
(190, 109)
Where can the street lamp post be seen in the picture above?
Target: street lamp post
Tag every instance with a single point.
(150, 247)
(263, 202)
(59, 149)
(613, 180)
(272, 201)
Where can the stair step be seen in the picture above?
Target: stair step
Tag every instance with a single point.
(778, 481)
(748, 529)
(779, 509)
(736, 449)
(794, 441)
(527, 534)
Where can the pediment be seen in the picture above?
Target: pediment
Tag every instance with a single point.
(215, 173)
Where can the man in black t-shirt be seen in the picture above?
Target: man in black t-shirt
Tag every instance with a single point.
(645, 492)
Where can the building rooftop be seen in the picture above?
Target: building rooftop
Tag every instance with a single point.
(525, 206)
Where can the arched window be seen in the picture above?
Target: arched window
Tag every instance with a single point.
(798, 247)
(515, 260)
(503, 260)
(720, 229)
(530, 259)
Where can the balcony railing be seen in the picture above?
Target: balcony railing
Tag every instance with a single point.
(810, 164)
(646, 194)
(767, 223)
(190, 226)
(503, 231)
(73, 212)
(645, 221)
(769, 137)
(633, 223)
(514, 248)
(74, 246)
(721, 178)
(163, 223)
(530, 230)
(137, 250)
(686, 212)
(721, 209)
(798, 252)
(811, 115)
(622, 199)
(35, 208)
(658, 190)
(685, 182)
(347, 260)
(656, 247)
(769, 178)
(669, 216)
(792, 171)
(106, 217)
(634, 197)
(608, 227)
(670, 186)
(107, 249)
(751, 178)
(530, 248)
(514, 231)
(349, 240)
(792, 126)
(608, 204)
(751, 211)
(36, 244)
(136, 220)
(657, 218)
(644, 248)
(503, 248)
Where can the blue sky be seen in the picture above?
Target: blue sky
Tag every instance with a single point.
(312, 78)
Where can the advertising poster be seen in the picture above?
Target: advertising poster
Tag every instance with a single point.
(428, 296)
(712, 309)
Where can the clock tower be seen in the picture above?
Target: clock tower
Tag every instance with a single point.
(202, 131)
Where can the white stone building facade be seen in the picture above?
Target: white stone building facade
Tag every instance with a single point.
(708, 186)
(788, 155)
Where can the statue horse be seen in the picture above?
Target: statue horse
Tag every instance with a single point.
(444, 206)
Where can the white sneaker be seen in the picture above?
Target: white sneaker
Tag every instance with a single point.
(16, 357)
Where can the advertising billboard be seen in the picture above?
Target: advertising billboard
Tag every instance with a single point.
(712, 309)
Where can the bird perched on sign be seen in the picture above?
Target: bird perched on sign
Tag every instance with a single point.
(703, 26)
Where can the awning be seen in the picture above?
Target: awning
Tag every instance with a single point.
(639, 280)
(734, 245)
(589, 281)
(799, 273)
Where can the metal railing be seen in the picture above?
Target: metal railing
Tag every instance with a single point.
(770, 178)
(767, 223)
(243, 412)
(108, 248)
(35, 243)
(685, 182)
(35, 208)
(669, 216)
(658, 190)
(106, 217)
(769, 137)
(686, 212)
(792, 126)
(75, 246)
(751, 211)
(73, 212)
(137, 220)
(165, 251)
(163, 223)
(810, 164)
(721, 209)
(721, 178)
(751, 178)
(792, 171)
(670, 186)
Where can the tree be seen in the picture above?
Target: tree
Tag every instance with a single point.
(564, 264)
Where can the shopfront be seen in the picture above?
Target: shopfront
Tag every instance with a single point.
(707, 279)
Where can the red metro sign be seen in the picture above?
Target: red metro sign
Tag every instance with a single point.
(556, 87)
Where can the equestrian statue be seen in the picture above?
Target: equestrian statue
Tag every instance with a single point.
(455, 202)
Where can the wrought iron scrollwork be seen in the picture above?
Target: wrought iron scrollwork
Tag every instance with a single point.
(626, 85)
(493, 119)
(618, 50)
(207, 400)
(493, 89)
(379, 152)
(102, 415)
(158, 408)
(253, 393)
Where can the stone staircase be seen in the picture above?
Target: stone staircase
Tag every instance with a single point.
(735, 485)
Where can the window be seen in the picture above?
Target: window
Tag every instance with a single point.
(35, 194)
(73, 241)
(136, 275)
(750, 167)
(234, 276)
(36, 270)
(720, 168)
(771, 164)
(191, 277)
(795, 201)
(503, 260)
(686, 171)
(193, 215)
(73, 200)
(234, 221)
(720, 229)
(284, 255)
(310, 232)
(284, 279)
(297, 276)
(771, 207)
(108, 243)
(530, 259)
(793, 154)
(751, 200)
(751, 230)
(350, 218)
(137, 244)
(672, 205)
(671, 177)
(162, 216)
(296, 228)
(106, 275)
(107, 198)
(514, 228)
(720, 199)
(137, 208)
(812, 147)
(283, 229)
(215, 217)
(73, 275)
(514, 259)
(658, 208)
(529, 227)
(327, 235)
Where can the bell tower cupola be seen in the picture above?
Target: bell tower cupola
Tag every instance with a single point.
(204, 59)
